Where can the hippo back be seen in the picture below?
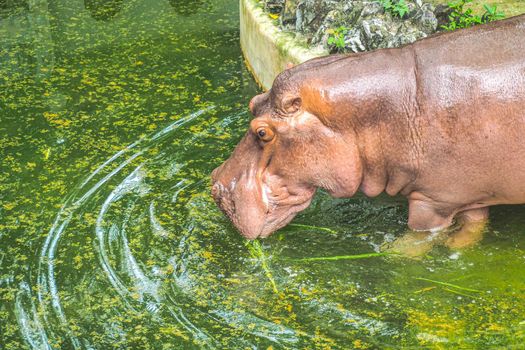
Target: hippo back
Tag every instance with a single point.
(471, 98)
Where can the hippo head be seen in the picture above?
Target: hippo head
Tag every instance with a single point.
(290, 149)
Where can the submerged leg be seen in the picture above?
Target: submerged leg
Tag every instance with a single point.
(429, 222)
(414, 244)
(473, 224)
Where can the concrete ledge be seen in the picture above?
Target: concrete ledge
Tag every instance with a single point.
(266, 49)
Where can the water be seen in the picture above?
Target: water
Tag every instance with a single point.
(112, 117)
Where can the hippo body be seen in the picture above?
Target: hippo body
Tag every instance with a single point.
(440, 121)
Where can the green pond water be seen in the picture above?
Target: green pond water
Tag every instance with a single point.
(112, 116)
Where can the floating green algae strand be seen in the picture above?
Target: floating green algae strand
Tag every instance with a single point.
(344, 257)
(459, 293)
(315, 228)
(446, 284)
(256, 251)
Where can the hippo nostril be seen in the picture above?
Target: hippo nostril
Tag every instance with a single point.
(216, 191)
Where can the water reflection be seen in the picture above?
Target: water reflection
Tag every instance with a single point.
(103, 10)
(8, 7)
(27, 46)
(187, 7)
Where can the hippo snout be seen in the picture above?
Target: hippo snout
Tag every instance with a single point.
(247, 218)
(215, 173)
(237, 198)
(216, 191)
(222, 197)
(219, 192)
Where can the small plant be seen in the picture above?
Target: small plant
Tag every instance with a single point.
(491, 14)
(464, 18)
(400, 8)
(397, 8)
(337, 37)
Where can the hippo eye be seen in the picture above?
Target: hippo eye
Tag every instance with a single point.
(265, 134)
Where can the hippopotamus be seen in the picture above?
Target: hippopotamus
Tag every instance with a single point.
(440, 122)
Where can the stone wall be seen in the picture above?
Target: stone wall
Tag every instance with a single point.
(267, 49)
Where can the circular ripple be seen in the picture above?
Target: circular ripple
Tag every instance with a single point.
(126, 199)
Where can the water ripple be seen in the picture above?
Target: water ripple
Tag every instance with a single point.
(124, 204)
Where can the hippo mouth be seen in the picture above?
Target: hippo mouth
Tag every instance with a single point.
(255, 210)
(281, 213)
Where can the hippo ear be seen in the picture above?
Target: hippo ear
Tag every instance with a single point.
(291, 104)
(289, 65)
(257, 102)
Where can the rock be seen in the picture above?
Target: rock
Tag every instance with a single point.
(425, 17)
(366, 25)
(375, 32)
(274, 6)
(442, 12)
(289, 14)
(372, 9)
(353, 40)
(311, 13)
(305, 15)
(372, 27)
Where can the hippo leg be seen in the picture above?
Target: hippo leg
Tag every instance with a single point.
(429, 223)
(473, 224)
(427, 215)
(415, 244)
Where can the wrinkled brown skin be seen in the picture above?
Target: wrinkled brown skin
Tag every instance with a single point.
(441, 121)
